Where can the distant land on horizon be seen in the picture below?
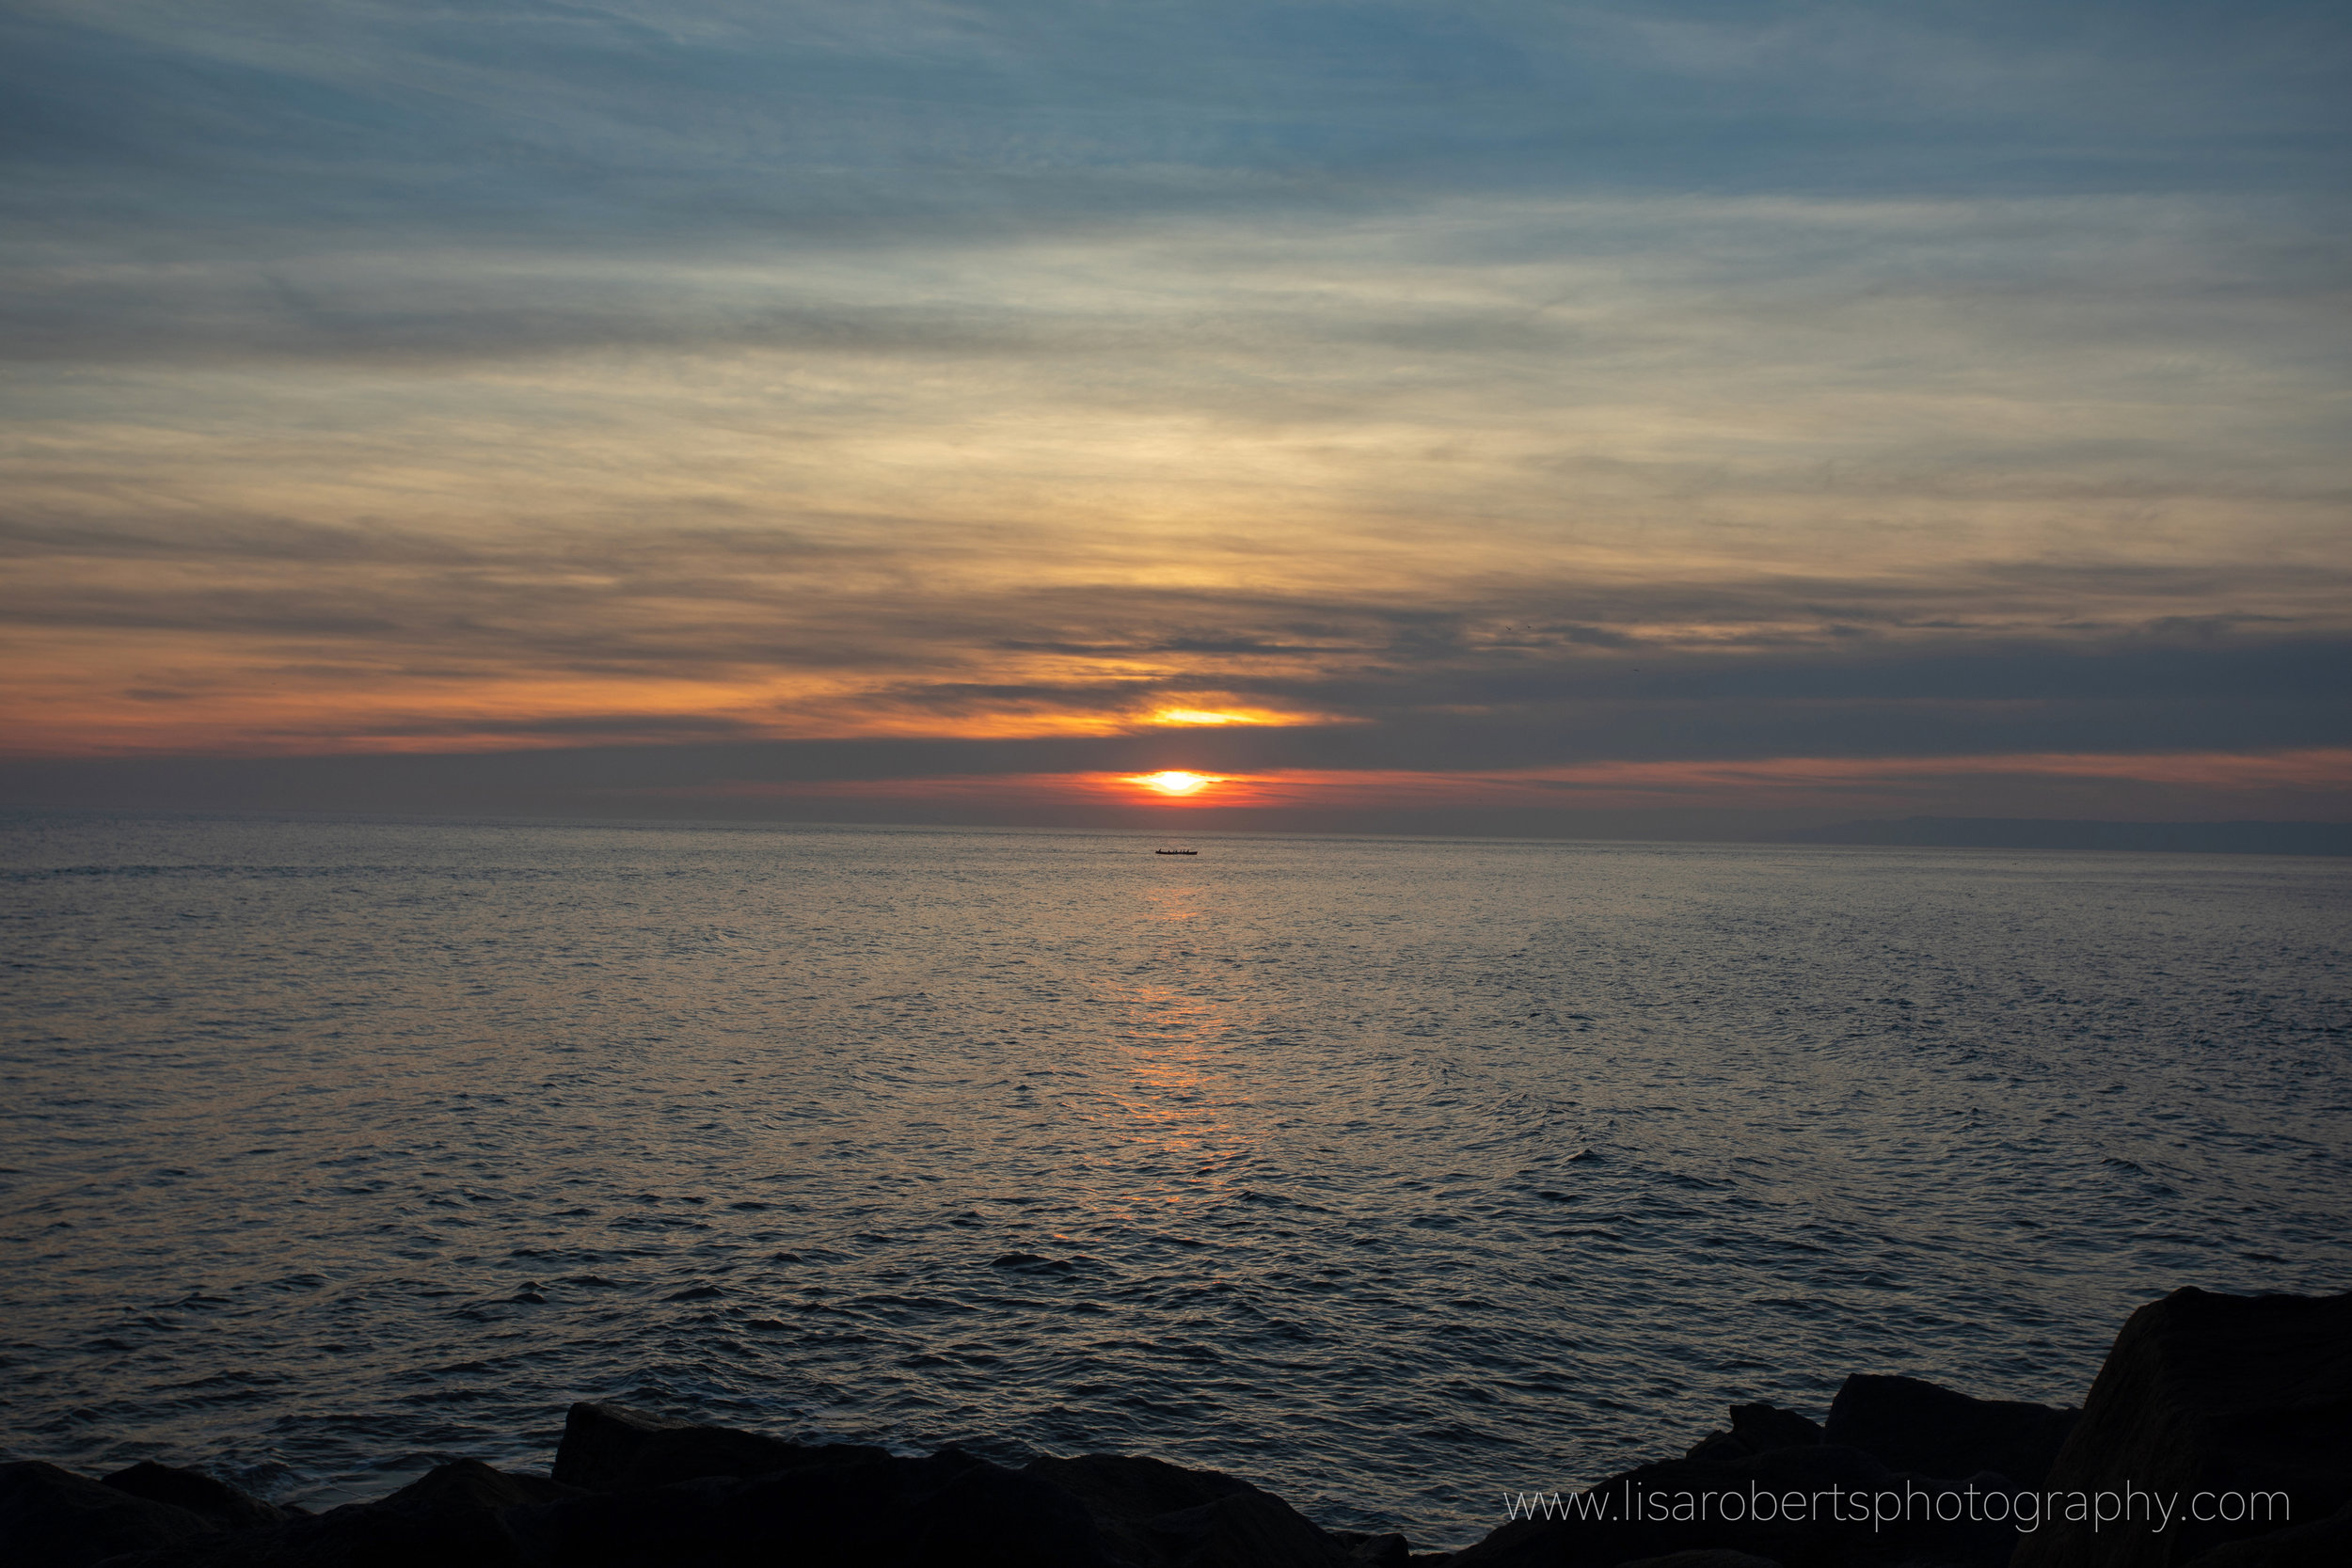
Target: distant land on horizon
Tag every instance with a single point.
(2006, 832)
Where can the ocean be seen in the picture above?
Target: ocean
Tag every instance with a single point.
(1389, 1175)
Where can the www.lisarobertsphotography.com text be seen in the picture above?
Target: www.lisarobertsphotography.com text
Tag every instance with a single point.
(2123, 1508)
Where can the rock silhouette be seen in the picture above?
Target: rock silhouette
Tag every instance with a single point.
(2200, 1392)
(1758, 1428)
(218, 1503)
(52, 1516)
(2216, 1394)
(1917, 1425)
(612, 1448)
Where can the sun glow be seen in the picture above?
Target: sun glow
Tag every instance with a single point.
(1175, 782)
(1205, 716)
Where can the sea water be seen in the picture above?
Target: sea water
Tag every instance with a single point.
(1389, 1175)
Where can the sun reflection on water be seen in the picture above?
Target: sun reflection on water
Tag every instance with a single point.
(1171, 1035)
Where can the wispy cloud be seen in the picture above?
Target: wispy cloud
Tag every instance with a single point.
(1489, 385)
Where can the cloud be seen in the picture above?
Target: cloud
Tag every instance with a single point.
(697, 107)
(1477, 386)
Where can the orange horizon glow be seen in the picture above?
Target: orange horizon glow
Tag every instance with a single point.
(2320, 775)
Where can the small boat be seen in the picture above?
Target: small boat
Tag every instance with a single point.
(1175, 852)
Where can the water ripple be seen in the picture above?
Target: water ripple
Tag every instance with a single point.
(1389, 1175)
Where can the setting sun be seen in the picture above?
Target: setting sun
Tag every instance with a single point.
(1176, 783)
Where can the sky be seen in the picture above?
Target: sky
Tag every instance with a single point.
(1672, 419)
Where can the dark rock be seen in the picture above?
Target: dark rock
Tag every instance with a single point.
(1376, 1551)
(451, 1517)
(1522, 1542)
(849, 1504)
(57, 1519)
(1716, 1445)
(2216, 1394)
(447, 1516)
(1249, 1529)
(1766, 1428)
(1758, 1428)
(612, 1447)
(2322, 1543)
(1910, 1425)
(224, 1505)
(468, 1486)
(1118, 1487)
(1149, 1510)
(600, 1439)
(946, 1508)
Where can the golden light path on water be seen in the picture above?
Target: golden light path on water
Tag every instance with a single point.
(1382, 1172)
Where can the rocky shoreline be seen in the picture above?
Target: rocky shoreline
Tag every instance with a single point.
(2203, 1396)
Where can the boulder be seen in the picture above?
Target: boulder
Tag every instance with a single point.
(449, 1517)
(667, 1491)
(1758, 1428)
(1149, 1510)
(1374, 1551)
(2322, 1543)
(615, 1448)
(2215, 1394)
(1120, 1486)
(227, 1507)
(1907, 1424)
(600, 1439)
(57, 1519)
(463, 1489)
(1249, 1529)
(948, 1508)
